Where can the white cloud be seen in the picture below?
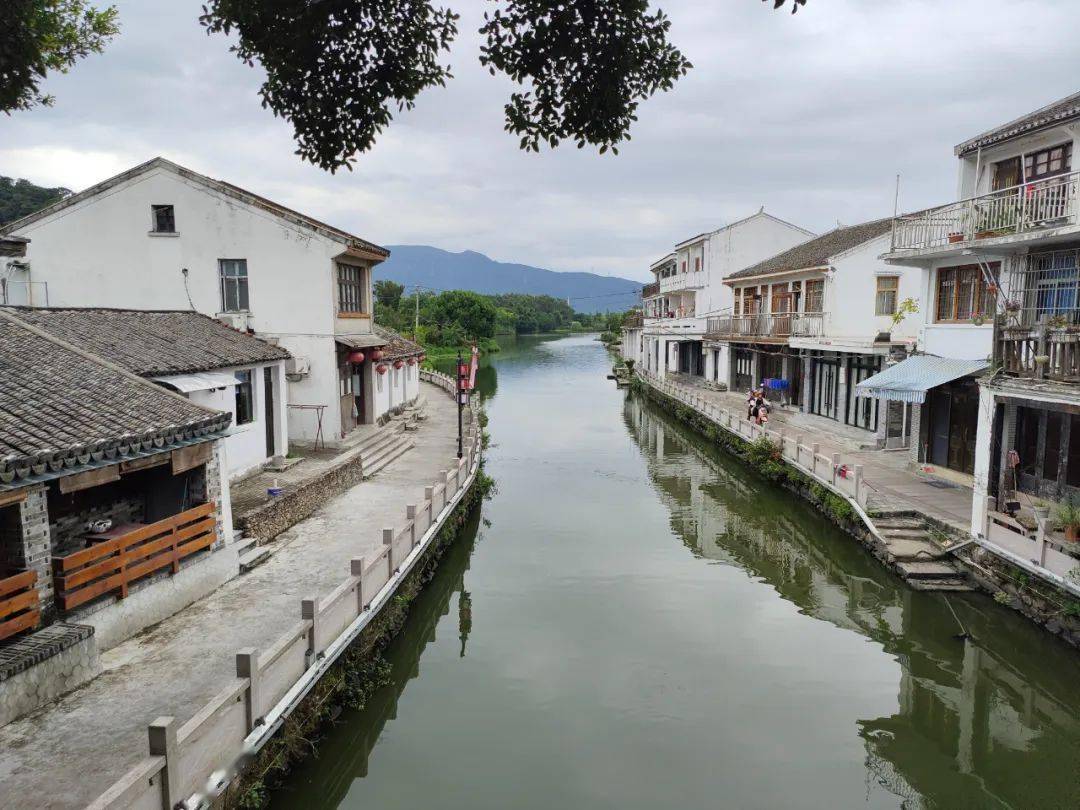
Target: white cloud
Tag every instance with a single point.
(811, 115)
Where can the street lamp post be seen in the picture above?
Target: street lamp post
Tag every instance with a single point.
(462, 377)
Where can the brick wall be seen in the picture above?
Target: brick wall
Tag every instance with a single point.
(206, 486)
(25, 540)
(68, 531)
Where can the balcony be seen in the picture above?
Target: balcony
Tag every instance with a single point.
(650, 290)
(633, 321)
(1005, 216)
(683, 281)
(765, 327)
(1041, 352)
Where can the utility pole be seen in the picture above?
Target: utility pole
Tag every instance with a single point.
(416, 323)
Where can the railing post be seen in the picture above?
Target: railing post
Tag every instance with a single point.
(356, 568)
(162, 733)
(815, 449)
(247, 666)
(858, 482)
(835, 466)
(798, 447)
(309, 611)
(388, 541)
(410, 515)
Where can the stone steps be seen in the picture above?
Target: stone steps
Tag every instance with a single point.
(932, 576)
(253, 557)
(386, 454)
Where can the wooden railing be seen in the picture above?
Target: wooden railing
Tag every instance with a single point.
(1032, 206)
(782, 325)
(650, 290)
(113, 565)
(19, 605)
(1041, 353)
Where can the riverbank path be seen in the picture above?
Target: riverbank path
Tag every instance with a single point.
(68, 753)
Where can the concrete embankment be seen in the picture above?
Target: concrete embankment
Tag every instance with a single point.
(912, 544)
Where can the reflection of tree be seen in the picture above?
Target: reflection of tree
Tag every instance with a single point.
(323, 781)
(987, 723)
(464, 610)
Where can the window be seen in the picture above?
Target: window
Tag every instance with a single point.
(164, 219)
(1048, 162)
(245, 398)
(697, 263)
(684, 266)
(815, 296)
(887, 288)
(781, 299)
(234, 285)
(962, 293)
(350, 288)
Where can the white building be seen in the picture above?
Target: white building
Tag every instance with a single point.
(812, 322)
(202, 359)
(689, 289)
(1003, 287)
(160, 236)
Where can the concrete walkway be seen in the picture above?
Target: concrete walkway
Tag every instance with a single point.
(886, 472)
(68, 753)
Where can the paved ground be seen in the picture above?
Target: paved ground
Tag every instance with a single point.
(885, 471)
(67, 754)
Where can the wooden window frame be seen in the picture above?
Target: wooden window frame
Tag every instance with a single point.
(233, 281)
(814, 290)
(162, 214)
(881, 296)
(958, 274)
(352, 292)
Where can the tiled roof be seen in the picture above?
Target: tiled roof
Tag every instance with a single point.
(817, 252)
(222, 187)
(154, 343)
(62, 409)
(1066, 109)
(396, 346)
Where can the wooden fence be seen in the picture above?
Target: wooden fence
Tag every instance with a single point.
(20, 608)
(198, 758)
(113, 565)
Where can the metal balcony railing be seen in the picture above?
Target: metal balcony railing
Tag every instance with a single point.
(779, 325)
(1021, 209)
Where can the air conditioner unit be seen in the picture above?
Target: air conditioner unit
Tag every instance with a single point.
(237, 320)
(296, 368)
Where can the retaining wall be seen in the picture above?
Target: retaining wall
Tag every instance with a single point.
(199, 757)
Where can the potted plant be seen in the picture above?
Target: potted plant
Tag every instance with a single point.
(955, 237)
(1068, 518)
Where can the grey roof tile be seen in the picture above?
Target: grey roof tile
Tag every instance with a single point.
(817, 252)
(1066, 109)
(153, 343)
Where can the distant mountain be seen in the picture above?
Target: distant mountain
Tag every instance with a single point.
(443, 270)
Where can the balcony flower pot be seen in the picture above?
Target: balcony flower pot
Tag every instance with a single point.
(984, 234)
(956, 237)
(1068, 517)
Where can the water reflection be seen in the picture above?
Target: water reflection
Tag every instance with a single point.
(345, 750)
(985, 721)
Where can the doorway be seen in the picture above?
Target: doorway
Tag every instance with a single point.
(954, 412)
(268, 398)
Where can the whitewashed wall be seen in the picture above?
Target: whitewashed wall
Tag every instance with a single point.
(245, 446)
(100, 252)
(968, 185)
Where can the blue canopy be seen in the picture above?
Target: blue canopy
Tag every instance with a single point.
(909, 380)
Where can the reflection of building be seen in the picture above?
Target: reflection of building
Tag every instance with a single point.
(987, 721)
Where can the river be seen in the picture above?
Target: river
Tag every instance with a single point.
(635, 621)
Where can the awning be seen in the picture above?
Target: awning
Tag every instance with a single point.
(204, 381)
(360, 341)
(909, 380)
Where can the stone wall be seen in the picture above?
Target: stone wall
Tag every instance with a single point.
(69, 530)
(270, 519)
(39, 668)
(25, 541)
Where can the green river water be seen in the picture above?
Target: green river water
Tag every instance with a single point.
(636, 621)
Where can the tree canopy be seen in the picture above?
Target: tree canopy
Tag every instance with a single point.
(39, 36)
(21, 197)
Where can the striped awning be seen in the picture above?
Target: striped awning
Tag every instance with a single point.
(909, 380)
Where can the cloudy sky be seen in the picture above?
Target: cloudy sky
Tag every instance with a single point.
(810, 115)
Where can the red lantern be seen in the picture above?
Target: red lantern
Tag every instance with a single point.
(399, 363)
(411, 361)
(423, 357)
(356, 358)
(376, 354)
(381, 368)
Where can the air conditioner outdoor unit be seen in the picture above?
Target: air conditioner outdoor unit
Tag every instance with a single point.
(297, 368)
